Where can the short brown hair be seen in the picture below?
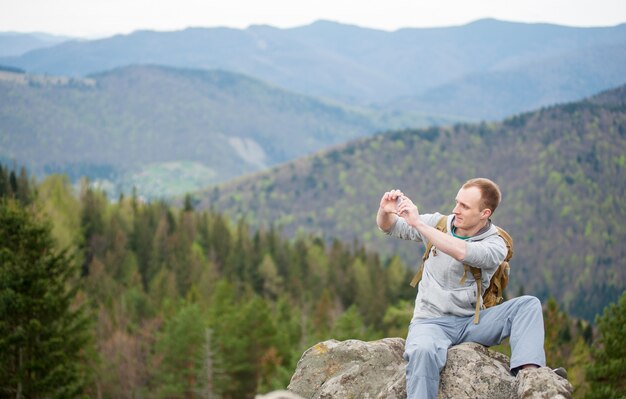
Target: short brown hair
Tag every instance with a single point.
(489, 192)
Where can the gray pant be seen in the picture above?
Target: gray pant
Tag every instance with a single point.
(428, 341)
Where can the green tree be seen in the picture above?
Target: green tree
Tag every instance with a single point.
(222, 319)
(44, 340)
(13, 183)
(317, 268)
(181, 345)
(244, 336)
(272, 281)
(397, 319)
(607, 371)
(188, 205)
(14, 186)
(92, 224)
(24, 194)
(56, 199)
(290, 329)
(579, 359)
(396, 276)
(323, 313)
(350, 325)
(556, 334)
(4, 182)
(364, 288)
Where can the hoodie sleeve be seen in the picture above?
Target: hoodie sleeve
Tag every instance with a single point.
(401, 228)
(486, 254)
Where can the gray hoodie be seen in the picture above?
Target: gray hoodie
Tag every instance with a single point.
(440, 292)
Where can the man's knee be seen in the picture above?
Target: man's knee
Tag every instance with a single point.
(421, 347)
(426, 356)
(530, 302)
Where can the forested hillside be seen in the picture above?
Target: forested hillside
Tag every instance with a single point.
(561, 170)
(167, 130)
(179, 303)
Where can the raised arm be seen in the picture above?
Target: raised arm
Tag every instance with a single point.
(387, 212)
(448, 244)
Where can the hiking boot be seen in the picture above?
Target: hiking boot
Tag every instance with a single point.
(561, 372)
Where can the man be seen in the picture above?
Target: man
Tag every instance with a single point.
(445, 303)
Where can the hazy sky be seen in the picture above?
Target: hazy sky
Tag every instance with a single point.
(91, 18)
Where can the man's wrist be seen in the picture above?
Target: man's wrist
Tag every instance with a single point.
(384, 211)
(416, 222)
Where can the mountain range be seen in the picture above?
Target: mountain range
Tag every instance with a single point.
(488, 69)
(561, 170)
(170, 112)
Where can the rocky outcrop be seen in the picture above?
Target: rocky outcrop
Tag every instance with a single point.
(351, 369)
(357, 369)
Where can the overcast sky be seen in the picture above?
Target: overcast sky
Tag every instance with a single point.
(91, 18)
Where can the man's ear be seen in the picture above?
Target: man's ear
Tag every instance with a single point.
(485, 213)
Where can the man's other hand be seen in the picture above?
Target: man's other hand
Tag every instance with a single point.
(388, 203)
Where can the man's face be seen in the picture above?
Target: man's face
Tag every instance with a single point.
(467, 212)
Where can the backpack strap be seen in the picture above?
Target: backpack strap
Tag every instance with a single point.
(442, 225)
(509, 243)
(495, 287)
(477, 273)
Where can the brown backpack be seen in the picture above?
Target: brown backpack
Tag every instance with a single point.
(499, 280)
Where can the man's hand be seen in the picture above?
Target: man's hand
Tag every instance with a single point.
(389, 200)
(407, 210)
(386, 216)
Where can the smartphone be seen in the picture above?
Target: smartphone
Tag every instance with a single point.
(398, 201)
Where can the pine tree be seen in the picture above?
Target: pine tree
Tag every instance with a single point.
(322, 314)
(4, 182)
(364, 288)
(14, 186)
(272, 281)
(607, 371)
(12, 183)
(244, 336)
(181, 344)
(350, 325)
(24, 194)
(188, 204)
(92, 224)
(556, 323)
(43, 339)
(396, 277)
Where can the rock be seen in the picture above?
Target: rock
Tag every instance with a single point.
(351, 369)
(541, 383)
(473, 371)
(376, 370)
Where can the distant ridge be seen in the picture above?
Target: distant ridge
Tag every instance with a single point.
(487, 69)
(15, 44)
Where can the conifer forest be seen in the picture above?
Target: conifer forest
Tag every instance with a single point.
(126, 299)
